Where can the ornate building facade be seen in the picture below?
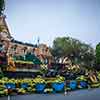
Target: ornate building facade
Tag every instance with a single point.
(17, 48)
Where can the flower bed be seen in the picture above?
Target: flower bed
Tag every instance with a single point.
(43, 85)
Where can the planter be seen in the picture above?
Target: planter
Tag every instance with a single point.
(83, 84)
(73, 85)
(40, 87)
(24, 85)
(58, 87)
(10, 86)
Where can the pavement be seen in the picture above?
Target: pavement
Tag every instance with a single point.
(90, 94)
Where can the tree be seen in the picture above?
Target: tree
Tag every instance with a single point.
(2, 6)
(77, 51)
(60, 46)
(98, 54)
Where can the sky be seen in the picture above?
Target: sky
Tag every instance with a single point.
(29, 20)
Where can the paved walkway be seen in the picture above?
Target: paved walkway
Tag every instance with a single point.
(92, 94)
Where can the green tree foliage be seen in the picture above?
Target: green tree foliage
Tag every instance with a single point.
(77, 51)
(2, 6)
(98, 54)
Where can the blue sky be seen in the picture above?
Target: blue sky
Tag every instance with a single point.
(47, 19)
